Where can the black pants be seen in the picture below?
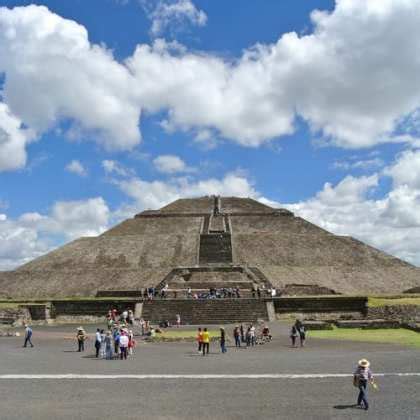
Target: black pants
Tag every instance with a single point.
(123, 354)
(206, 348)
(97, 348)
(28, 340)
(200, 345)
(81, 345)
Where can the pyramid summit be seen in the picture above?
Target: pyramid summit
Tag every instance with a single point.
(212, 242)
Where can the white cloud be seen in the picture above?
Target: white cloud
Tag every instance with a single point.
(51, 57)
(33, 234)
(76, 167)
(391, 223)
(155, 194)
(353, 79)
(173, 14)
(13, 140)
(171, 164)
(366, 164)
(112, 167)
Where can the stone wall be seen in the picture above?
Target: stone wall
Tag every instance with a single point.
(336, 304)
(395, 312)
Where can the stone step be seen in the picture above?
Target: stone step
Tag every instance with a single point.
(206, 311)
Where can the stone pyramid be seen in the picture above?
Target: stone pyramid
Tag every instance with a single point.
(212, 241)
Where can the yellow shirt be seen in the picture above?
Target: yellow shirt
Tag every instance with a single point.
(206, 337)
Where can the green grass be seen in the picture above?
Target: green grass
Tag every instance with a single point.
(392, 336)
(375, 302)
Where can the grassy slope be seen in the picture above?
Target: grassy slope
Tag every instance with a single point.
(375, 302)
(394, 336)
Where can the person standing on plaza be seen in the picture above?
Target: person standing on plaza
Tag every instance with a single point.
(116, 335)
(237, 336)
(200, 340)
(81, 338)
(108, 345)
(361, 377)
(206, 342)
(252, 335)
(302, 335)
(131, 343)
(178, 320)
(98, 341)
(123, 345)
(223, 340)
(28, 335)
(242, 333)
(103, 344)
(293, 335)
(130, 317)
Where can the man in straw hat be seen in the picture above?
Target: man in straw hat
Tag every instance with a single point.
(362, 376)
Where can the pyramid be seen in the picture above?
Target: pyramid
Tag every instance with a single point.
(212, 242)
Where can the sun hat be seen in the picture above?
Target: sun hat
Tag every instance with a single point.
(364, 363)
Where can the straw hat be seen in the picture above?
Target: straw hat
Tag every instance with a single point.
(80, 329)
(364, 363)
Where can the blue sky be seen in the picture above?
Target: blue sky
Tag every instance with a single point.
(109, 107)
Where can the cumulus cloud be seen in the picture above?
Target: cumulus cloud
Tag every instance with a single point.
(155, 194)
(173, 14)
(67, 77)
(171, 164)
(390, 223)
(33, 234)
(353, 80)
(76, 167)
(13, 140)
(112, 167)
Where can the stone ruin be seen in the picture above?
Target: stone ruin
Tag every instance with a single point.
(211, 242)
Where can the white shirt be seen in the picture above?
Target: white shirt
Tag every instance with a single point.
(98, 337)
(124, 341)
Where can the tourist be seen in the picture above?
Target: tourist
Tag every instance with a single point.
(123, 345)
(242, 333)
(293, 335)
(361, 377)
(206, 342)
(114, 314)
(81, 337)
(28, 335)
(302, 335)
(131, 343)
(252, 335)
(103, 344)
(178, 320)
(248, 337)
(108, 345)
(266, 333)
(145, 294)
(259, 293)
(223, 340)
(237, 336)
(189, 293)
(142, 326)
(253, 291)
(98, 341)
(124, 316)
(273, 292)
(200, 340)
(130, 317)
(116, 336)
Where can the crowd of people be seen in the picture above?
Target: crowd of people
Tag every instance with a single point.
(244, 336)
